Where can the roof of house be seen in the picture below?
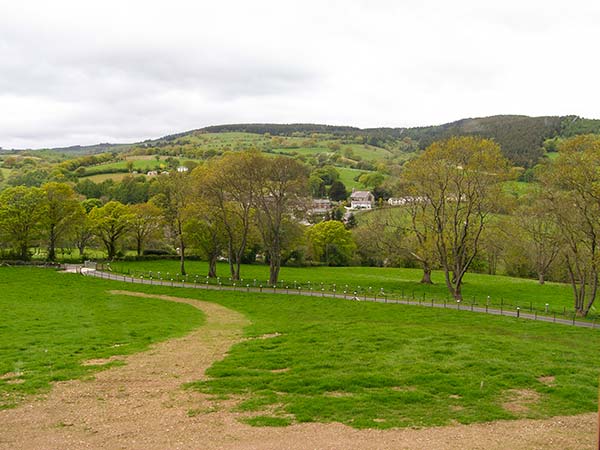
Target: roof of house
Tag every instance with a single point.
(361, 196)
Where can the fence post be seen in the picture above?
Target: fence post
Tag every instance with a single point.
(518, 312)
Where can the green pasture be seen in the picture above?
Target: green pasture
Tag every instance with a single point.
(368, 152)
(303, 151)
(52, 322)
(309, 359)
(100, 177)
(347, 176)
(138, 164)
(382, 366)
(396, 283)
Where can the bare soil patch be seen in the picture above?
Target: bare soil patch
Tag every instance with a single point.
(338, 394)
(268, 336)
(142, 405)
(520, 401)
(548, 381)
(102, 361)
(9, 375)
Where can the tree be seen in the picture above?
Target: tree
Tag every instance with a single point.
(22, 210)
(280, 186)
(146, 222)
(571, 186)
(458, 180)
(131, 189)
(371, 179)
(62, 206)
(206, 232)
(338, 192)
(110, 223)
(330, 242)
(174, 199)
(227, 186)
(82, 226)
(380, 239)
(541, 231)
(316, 186)
(328, 174)
(422, 243)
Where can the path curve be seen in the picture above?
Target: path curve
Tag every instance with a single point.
(138, 405)
(141, 406)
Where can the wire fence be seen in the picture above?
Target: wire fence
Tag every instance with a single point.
(344, 291)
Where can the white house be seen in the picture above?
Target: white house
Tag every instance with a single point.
(399, 201)
(361, 200)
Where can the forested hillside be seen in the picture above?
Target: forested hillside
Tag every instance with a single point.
(286, 194)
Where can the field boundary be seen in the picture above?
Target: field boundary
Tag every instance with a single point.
(460, 306)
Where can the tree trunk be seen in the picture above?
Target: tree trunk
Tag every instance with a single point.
(274, 267)
(230, 260)
(24, 252)
(81, 248)
(52, 245)
(236, 271)
(182, 257)
(426, 275)
(458, 292)
(139, 247)
(541, 278)
(110, 249)
(212, 266)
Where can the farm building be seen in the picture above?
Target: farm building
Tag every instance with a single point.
(361, 200)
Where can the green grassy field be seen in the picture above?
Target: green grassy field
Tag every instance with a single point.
(138, 164)
(52, 322)
(368, 152)
(395, 282)
(100, 177)
(304, 151)
(347, 176)
(381, 366)
(327, 360)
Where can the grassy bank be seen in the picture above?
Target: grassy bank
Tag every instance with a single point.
(311, 359)
(395, 282)
(52, 322)
(376, 365)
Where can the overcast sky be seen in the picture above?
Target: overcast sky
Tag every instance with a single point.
(83, 72)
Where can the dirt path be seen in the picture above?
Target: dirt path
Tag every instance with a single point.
(142, 406)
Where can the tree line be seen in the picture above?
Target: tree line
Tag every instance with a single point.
(454, 214)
